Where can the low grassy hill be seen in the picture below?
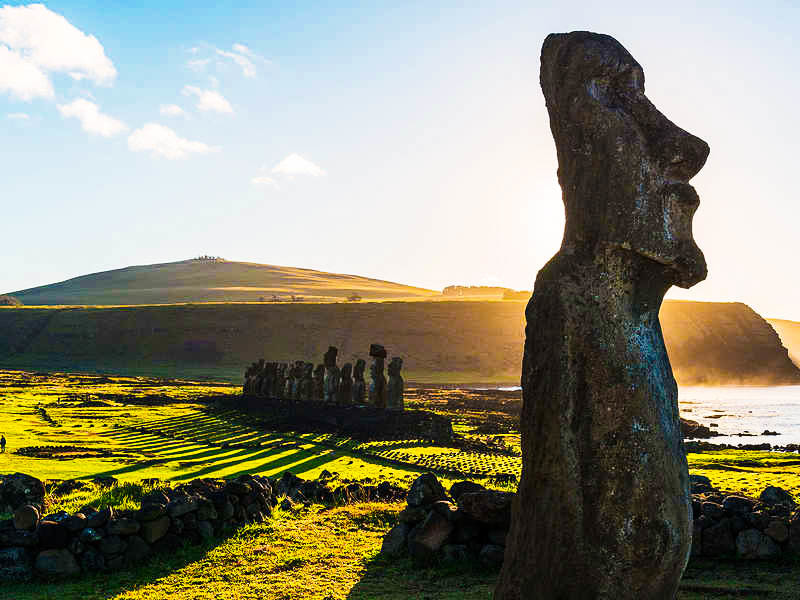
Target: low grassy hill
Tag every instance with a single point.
(211, 280)
(790, 336)
(445, 341)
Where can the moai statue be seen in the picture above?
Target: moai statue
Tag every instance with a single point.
(377, 387)
(280, 382)
(394, 388)
(603, 508)
(344, 395)
(359, 385)
(318, 385)
(332, 376)
(297, 377)
(309, 385)
(249, 376)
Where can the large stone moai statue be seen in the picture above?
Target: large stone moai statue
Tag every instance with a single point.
(332, 376)
(603, 509)
(377, 385)
(308, 383)
(359, 385)
(296, 379)
(394, 387)
(344, 394)
(280, 381)
(319, 383)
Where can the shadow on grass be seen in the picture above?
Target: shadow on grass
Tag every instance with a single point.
(98, 586)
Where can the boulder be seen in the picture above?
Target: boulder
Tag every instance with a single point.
(18, 490)
(412, 514)
(718, 539)
(123, 526)
(15, 565)
(56, 563)
(773, 495)
(90, 535)
(99, 518)
(712, 510)
(18, 537)
(75, 523)
(111, 545)
(152, 531)
(92, 561)
(205, 509)
(751, 543)
(461, 487)
(395, 541)
(777, 530)
(137, 550)
(206, 530)
(52, 535)
(26, 517)
(455, 553)
(426, 489)
(425, 540)
(151, 511)
(489, 506)
(738, 504)
(447, 509)
(182, 506)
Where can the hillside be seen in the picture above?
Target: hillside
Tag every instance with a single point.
(790, 336)
(210, 281)
(455, 341)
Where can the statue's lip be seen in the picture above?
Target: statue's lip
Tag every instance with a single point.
(683, 191)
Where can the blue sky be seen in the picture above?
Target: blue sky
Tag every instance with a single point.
(406, 141)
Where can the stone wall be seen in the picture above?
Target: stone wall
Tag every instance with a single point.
(106, 539)
(472, 522)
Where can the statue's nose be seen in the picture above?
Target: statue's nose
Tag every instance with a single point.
(679, 154)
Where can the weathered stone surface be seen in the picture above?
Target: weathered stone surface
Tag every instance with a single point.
(90, 535)
(718, 539)
(15, 565)
(426, 489)
(489, 506)
(447, 509)
(777, 530)
(154, 530)
(395, 386)
(394, 542)
(427, 538)
(412, 514)
(182, 506)
(151, 511)
(461, 487)
(52, 535)
(775, 495)
(751, 543)
(124, 526)
(100, 518)
(738, 504)
(712, 510)
(92, 561)
(75, 523)
(18, 537)
(112, 544)
(56, 563)
(137, 550)
(603, 506)
(26, 517)
(19, 489)
(455, 553)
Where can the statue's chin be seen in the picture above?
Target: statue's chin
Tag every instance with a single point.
(689, 269)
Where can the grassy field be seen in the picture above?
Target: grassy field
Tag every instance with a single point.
(63, 426)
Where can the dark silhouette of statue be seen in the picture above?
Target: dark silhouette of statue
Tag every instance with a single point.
(344, 395)
(377, 385)
(394, 387)
(603, 509)
(359, 385)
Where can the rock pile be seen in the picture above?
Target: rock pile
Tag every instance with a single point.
(728, 524)
(92, 540)
(469, 522)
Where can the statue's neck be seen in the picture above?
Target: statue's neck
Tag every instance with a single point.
(625, 282)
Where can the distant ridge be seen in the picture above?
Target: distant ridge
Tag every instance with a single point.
(211, 280)
(790, 336)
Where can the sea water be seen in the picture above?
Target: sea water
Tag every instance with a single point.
(735, 410)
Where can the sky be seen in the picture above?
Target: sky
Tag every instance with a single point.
(405, 141)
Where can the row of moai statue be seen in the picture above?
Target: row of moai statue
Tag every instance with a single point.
(327, 383)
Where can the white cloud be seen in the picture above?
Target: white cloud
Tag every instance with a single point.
(22, 78)
(198, 64)
(163, 142)
(294, 164)
(263, 180)
(247, 66)
(208, 100)
(92, 120)
(18, 116)
(171, 110)
(35, 41)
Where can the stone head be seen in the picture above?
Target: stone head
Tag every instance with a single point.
(622, 165)
(347, 369)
